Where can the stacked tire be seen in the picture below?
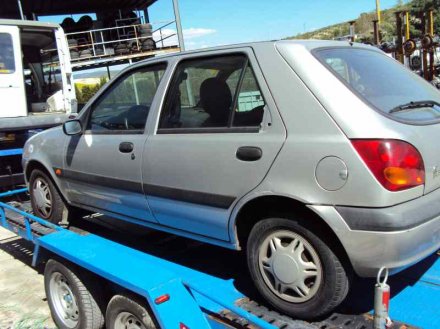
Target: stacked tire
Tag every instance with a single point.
(86, 53)
(122, 49)
(99, 51)
(146, 30)
(148, 44)
(73, 47)
(146, 37)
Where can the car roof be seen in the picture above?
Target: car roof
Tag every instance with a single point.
(307, 44)
(304, 44)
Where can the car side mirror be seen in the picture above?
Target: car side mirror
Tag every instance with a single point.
(72, 127)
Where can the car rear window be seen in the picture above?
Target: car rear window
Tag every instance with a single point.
(384, 83)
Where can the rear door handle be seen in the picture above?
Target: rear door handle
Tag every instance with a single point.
(126, 147)
(249, 153)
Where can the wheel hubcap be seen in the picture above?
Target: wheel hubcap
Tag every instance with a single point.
(290, 266)
(63, 299)
(42, 197)
(126, 320)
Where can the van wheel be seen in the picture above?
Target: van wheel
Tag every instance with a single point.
(126, 311)
(70, 298)
(45, 200)
(294, 269)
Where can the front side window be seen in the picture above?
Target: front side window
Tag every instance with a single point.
(384, 83)
(126, 104)
(214, 92)
(7, 63)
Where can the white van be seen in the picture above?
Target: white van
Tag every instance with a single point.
(36, 88)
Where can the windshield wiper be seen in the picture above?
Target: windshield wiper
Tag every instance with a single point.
(414, 105)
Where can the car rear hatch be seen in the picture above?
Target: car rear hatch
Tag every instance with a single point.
(398, 94)
(376, 97)
(429, 147)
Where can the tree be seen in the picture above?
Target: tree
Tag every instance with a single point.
(418, 7)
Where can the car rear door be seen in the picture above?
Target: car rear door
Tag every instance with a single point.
(103, 165)
(217, 135)
(12, 92)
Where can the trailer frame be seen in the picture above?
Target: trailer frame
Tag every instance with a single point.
(199, 294)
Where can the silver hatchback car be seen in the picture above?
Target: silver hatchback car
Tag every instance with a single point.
(319, 159)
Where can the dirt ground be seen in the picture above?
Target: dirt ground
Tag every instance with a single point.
(22, 298)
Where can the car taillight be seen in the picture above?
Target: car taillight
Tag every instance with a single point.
(396, 164)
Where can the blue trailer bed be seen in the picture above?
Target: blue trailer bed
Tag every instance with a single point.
(198, 299)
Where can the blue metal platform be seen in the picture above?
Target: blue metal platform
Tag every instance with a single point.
(193, 295)
(9, 152)
(415, 292)
(419, 301)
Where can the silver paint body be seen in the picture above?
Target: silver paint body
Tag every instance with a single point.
(310, 115)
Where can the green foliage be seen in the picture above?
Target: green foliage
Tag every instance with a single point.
(364, 25)
(419, 6)
(85, 91)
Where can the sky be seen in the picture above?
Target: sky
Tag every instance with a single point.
(209, 23)
(216, 22)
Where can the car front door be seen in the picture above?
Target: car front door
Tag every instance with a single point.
(217, 135)
(103, 165)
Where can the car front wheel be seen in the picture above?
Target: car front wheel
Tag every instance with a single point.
(45, 199)
(294, 269)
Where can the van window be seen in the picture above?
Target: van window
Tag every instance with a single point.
(384, 83)
(7, 63)
(126, 104)
(212, 92)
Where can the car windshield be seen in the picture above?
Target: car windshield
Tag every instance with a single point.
(384, 83)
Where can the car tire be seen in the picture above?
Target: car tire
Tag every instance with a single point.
(294, 269)
(148, 44)
(99, 52)
(72, 42)
(85, 53)
(145, 33)
(46, 201)
(72, 298)
(146, 26)
(121, 50)
(74, 54)
(126, 311)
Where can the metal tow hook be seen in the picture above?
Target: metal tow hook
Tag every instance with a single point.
(382, 301)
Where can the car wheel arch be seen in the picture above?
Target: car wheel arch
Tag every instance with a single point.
(35, 164)
(259, 207)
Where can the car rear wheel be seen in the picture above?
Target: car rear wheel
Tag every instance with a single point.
(45, 199)
(72, 299)
(127, 311)
(294, 269)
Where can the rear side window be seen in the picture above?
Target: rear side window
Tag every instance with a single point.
(212, 92)
(384, 83)
(250, 103)
(7, 63)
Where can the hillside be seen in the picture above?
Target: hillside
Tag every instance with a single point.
(364, 26)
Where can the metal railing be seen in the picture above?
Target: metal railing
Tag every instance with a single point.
(28, 218)
(104, 42)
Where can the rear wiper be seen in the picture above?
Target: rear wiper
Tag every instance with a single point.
(414, 105)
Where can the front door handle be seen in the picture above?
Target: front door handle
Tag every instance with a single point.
(126, 147)
(249, 153)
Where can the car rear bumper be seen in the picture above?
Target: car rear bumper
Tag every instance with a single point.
(395, 237)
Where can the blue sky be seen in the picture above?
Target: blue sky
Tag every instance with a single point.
(234, 21)
(216, 22)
